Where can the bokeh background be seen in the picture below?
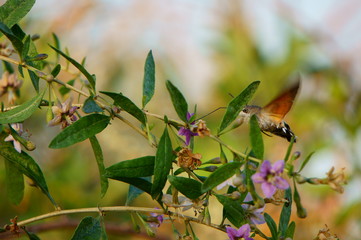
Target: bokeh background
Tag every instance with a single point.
(209, 49)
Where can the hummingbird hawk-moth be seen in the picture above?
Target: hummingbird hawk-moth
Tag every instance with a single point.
(270, 117)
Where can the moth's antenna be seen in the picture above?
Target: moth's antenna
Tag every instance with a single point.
(211, 113)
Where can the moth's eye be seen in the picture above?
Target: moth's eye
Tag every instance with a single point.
(245, 110)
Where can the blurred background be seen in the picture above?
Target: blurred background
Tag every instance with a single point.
(209, 50)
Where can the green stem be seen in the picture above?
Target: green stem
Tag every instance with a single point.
(102, 210)
(233, 150)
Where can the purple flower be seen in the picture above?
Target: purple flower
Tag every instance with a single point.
(270, 177)
(158, 220)
(242, 233)
(186, 131)
(255, 214)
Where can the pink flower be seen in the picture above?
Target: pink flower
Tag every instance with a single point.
(186, 131)
(241, 233)
(270, 177)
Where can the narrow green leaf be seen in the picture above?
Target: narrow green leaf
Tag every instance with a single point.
(14, 182)
(26, 47)
(291, 230)
(141, 183)
(163, 163)
(34, 80)
(220, 175)
(179, 102)
(256, 138)
(139, 167)
(289, 149)
(301, 211)
(237, 104)
(134, 192)
(56, 70)
(15, 41)
(12, 11)
(271, 225)
(63, 90)
(187, 186)
(235, 213)
(149, 79)
(31, 236)
(80, 130)
(304, 163)
(33, 53)
(7, 67)
(90, 106)
(127, 105)
(21, 112)
(100, 162)
(25, 164)
(79, 67)
(57, 45)
(88, 229)
(286, 213)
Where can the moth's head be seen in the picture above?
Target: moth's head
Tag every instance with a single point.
(247, 112)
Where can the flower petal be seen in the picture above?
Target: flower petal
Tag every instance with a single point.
(257, 218)
(258, 178)
(278, 166)
(268, 189)
(17, 146)
(244, 231)
(265, 167)
(232, 233)
(281, 183)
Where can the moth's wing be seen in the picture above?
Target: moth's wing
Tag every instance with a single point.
(281, 105)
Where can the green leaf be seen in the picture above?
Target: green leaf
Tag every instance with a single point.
(14, 182)
(88, 76)
(31, 235)
(141, 183)
(63, 90)
(88, 229)
(56, 70)
(220, 175)
(149, 79)
(15, 41)
(127, 105)
(134, 192)
(57, 45)
(26, 47)
(187, 186)
(178, 100)
(7, 67)
(100, 162)
(301, 211)
(304, 163)
(163, 163)
(256, 138)
(290, 230)
(21, 112)
(25, 164)
(80, 130)
(14, 10)
(34, 80)
(33, 53)
(289, 149)
(271, 225)
(286, 213)
(235, 213)
(90, 106)
(139, 167)
(237, 104)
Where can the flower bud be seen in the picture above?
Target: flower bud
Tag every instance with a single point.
(30, 146)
